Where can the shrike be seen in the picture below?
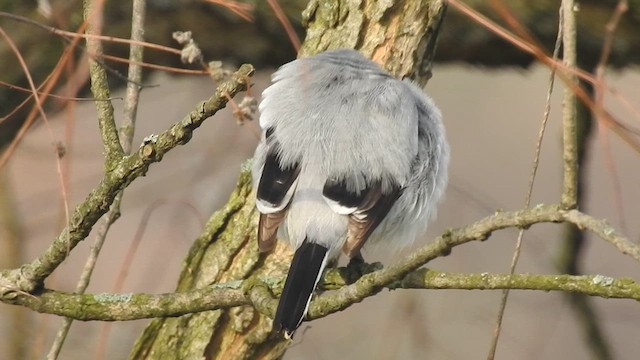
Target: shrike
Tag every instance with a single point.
(348, 155)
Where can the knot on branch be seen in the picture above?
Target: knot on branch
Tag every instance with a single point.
(260, 295)
(16, 282)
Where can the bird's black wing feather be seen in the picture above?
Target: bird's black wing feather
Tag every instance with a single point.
(366, 210)
(274, 193)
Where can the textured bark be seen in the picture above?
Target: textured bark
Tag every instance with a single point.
(228, 254)
(401, 36)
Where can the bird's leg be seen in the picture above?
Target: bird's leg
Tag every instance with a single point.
(356, 260)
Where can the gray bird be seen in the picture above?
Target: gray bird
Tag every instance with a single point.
(348, 155)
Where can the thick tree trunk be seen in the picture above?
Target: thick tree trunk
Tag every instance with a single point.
(400, 35)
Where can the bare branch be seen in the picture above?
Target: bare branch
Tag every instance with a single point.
(40, 109)
(569, 108)
(126, 132)
(100, 85)
(371, 284)
(594, 285)
(125, 307)
(532, 176)
(124, 171)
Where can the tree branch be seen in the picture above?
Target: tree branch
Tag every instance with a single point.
(127, 169)
(126, 132)
(605, 231)
(594, 285)
(257, 291)
(100, 86)
(372, 283)
(125, 307)
(569, 198)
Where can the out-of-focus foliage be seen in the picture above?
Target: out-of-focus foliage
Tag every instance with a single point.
(463, 40)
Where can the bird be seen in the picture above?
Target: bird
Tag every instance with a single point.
(348, 156)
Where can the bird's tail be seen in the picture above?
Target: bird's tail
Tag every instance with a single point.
(306, 268)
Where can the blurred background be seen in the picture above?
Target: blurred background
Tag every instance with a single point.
(492, 97)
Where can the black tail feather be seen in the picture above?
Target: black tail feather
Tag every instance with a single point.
(304, 274)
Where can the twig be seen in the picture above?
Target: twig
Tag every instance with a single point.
(516, 25)
(78, 35)
(126, 265)
(371, 284)
(241, 9)
(53, 74)
(515, 40)
(599, 91)
(536, 160)
(621, 8)
(132, 96)
(126, 132)
(156, 66)
(616, 126)
(595, 285)
(595, 337)
(100, 86)
(85, 278)
(569, 198)
(286, 24)
(124, 307)
(574, 242)
(54, 142)
(112, 307)
(61, 97)
(125, 170)
(605, 231)
(110, 217)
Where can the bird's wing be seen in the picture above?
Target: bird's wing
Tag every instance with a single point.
(275, 190)
(366, 210)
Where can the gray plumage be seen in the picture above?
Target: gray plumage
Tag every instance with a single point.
(349, 155)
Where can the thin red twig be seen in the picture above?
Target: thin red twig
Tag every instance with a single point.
(80, 35)
(38, 101)
(49, 83)
(61, 97)
(155, 66)
(507, 15)
(623, 131)
(293, 37)
(599, 91)
(243, 10)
